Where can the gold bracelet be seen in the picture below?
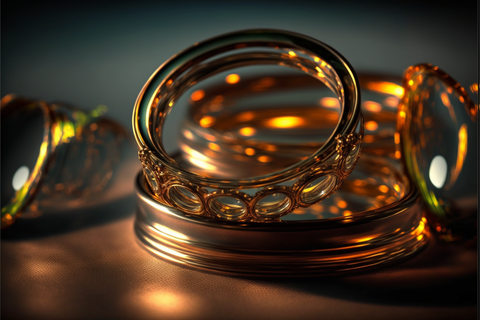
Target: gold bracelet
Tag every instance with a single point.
(54, 155)
(438, 142)
(223, 129)
(369, 222)
(269, 196)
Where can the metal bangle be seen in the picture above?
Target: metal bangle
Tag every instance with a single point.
(220, 134)
(311, 180)
(71, 155)
(381, 235)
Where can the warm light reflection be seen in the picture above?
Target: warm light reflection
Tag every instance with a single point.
(291, 53)
(364, 239)
(194, 153)
(250, 151)
(161, 303)
(247, 131)
(397, 187)
(209, 137)
(214, 146)
(333, 210)
(169, 231)
(232, 78)
(387, 88)
(371, 126)
(264, 159)
(474, 88)
(207, 121)
(246, 116)
(342, 204)
(391, 102)
(197, 95)
(421, 226)
(285, 122)
(329, 102)
(445, 99)
(188, 134)
(397, 137)
(383, 188)
(269, 147)
(368, 138)
(372, 106)
(202, 164)
(461, 153)
(263, 84)
(448, 104)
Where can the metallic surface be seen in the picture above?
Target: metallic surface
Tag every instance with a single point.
(75, 161)
(290, 248)
(438, 138)
(291, 116)
(334, 160)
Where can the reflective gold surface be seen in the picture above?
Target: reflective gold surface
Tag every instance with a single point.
(304, 183)
(437, 122)
(287, 118)
(362, 228)
(70, 164)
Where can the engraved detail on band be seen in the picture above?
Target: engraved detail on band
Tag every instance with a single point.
(268, 204)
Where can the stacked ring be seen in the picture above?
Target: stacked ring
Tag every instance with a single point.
(54, 155)
(224, 128)
(384, 224)
(266, 197)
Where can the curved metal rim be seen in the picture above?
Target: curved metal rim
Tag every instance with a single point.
(411, 196)
(406, 110)
(143, 104)
(37, 176)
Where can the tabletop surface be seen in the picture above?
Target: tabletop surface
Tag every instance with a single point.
(86, 263)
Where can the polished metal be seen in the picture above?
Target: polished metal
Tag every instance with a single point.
(286, 117)
(377, 230)
(302, 184)
(438, 142)
(54, 156)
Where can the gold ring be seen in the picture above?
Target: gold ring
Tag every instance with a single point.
(301, 185)
(385, 224)
(223, 131)
(54, 154)
(438, 143)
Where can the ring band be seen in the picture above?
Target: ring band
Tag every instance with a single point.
(235, 135)
(54, 155)
(311, 180)
(377, 236)
(438, 143)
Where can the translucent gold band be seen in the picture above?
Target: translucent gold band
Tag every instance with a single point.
(223, 131)
(350, 242)
(303, 184)
(65, 154)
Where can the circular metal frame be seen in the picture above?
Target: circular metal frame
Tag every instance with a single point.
(156, 99)
(343, 244)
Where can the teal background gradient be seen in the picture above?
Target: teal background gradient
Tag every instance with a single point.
(89, 53)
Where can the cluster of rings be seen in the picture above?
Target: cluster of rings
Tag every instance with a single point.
(196, 208)
(302, 184)
(270, 203)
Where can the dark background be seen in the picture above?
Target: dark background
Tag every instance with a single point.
(88, 53)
